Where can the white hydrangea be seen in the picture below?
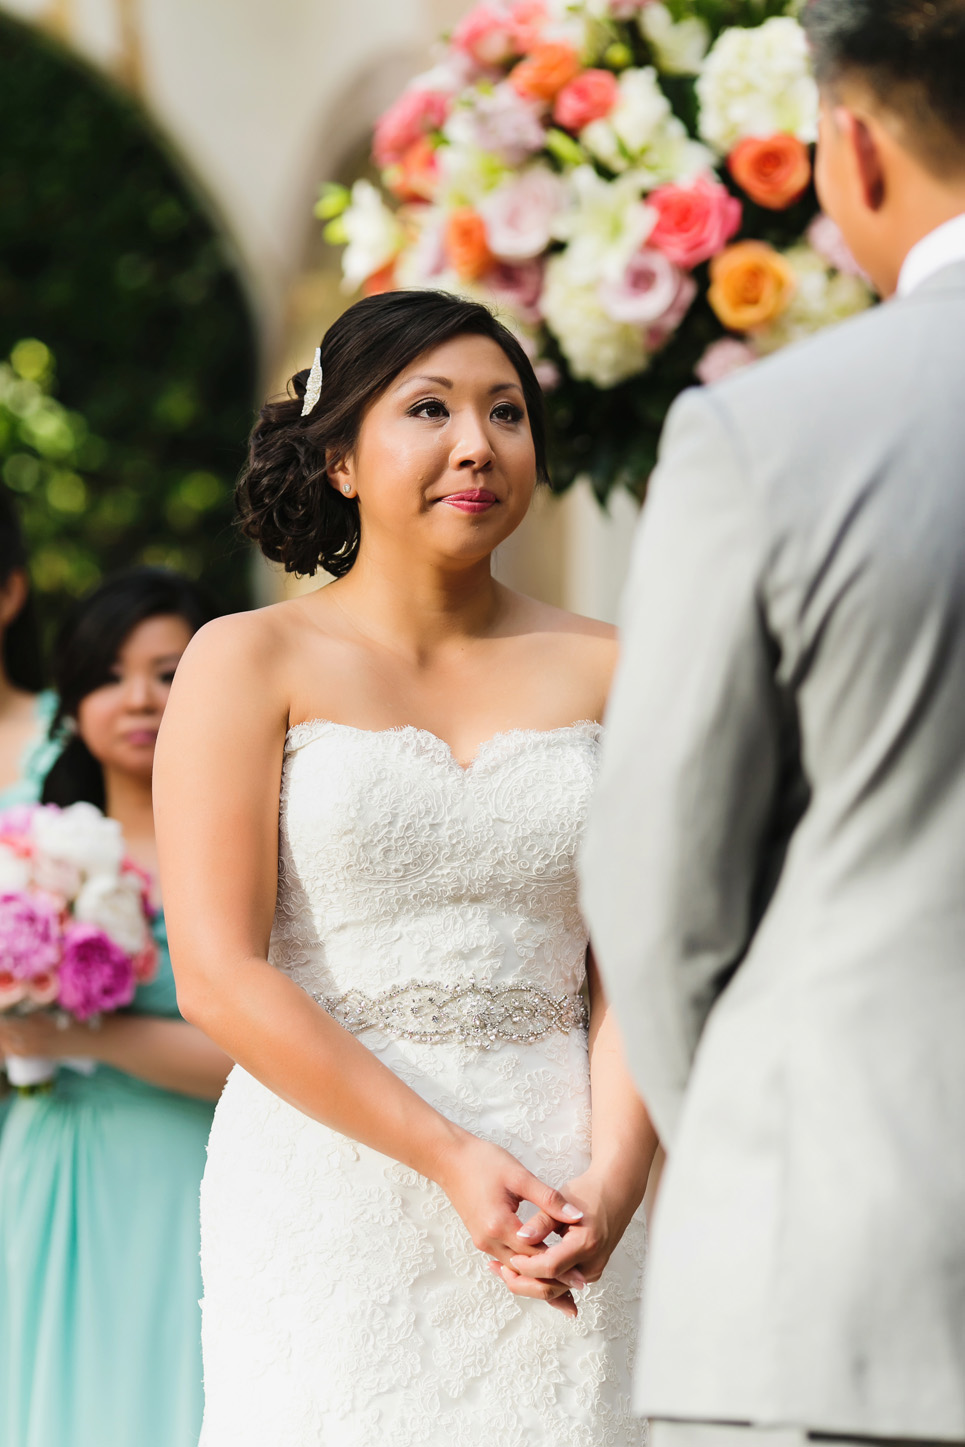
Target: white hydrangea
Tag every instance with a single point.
(756, 82)
(603, 225)
(373, 233)
(597, 349)
(822, 297)
(643, 134)
(679, 47)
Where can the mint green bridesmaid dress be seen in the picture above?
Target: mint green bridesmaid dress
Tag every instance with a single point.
(100, 1328)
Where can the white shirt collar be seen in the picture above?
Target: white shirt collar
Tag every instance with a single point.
(941, 247)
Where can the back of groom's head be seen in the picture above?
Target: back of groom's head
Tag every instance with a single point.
(891, 152)
(910, 56)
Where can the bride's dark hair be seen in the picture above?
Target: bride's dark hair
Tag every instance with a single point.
(286, 503)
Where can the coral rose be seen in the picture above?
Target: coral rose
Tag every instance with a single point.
(693, 222)
(588, 97)
(774, 172)
(751, 284)
(380, 281)
(544, 72)
(416, 175)
(466, 245)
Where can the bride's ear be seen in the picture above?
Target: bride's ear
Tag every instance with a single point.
(340, 474)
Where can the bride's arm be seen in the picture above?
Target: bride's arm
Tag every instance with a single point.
(217, 776)
(624, 1144)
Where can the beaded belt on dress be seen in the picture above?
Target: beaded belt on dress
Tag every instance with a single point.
(467, 1015)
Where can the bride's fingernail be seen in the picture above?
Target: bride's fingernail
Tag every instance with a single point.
(570, 1213)
(525, 1234)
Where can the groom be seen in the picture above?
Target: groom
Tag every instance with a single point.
(775, 869)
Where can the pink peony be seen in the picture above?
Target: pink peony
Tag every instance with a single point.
(591, 96)
(96, 975)
(694, 222)
(30, 936)
(722, 358)
(415, 114)
(652, 293)
(826, 238)
(486, 34)
(519, 216)
(518, 286)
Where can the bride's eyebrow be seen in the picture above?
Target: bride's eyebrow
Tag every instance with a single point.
(439, 381)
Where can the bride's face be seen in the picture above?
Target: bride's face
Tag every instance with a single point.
(445, 461)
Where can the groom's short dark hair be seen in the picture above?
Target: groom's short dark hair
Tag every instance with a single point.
(911, 56)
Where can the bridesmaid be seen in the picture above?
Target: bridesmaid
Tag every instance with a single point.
(25, 709)
(99, 1176)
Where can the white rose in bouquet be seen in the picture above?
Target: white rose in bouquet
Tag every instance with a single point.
(519, 216)
(597, 348)
(80, 835)
(117, 907)
(758, 82)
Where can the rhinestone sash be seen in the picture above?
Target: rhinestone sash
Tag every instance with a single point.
(469, 1015)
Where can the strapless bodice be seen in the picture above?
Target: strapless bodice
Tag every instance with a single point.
(398, 866)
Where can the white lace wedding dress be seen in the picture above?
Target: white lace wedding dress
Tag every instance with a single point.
(434, 911)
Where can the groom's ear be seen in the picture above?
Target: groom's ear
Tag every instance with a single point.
(862, 139)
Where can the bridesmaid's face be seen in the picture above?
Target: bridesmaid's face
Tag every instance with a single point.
(119, 721)
(445, 462)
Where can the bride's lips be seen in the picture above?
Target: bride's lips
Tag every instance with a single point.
(474, 499)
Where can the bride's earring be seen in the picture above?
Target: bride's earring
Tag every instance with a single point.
(346, 488)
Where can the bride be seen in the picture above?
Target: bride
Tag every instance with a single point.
(415, 1229)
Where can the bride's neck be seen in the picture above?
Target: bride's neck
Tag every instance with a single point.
(416, 608)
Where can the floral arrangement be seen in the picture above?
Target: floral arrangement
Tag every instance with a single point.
(630, 181)
(75, 919)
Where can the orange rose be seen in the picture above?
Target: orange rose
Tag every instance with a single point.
(751, 284)
(466, 245)
(545, 71)
(380, 281)
(773, 172)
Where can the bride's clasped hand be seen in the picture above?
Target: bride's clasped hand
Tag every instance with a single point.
(392, 947)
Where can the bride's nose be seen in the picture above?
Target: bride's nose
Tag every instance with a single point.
(472, 452)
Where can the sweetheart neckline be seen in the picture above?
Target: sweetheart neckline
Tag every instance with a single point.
(581, 725)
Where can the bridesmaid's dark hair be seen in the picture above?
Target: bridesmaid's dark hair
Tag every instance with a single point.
(22, 654)
(86, 651)
(285, 501)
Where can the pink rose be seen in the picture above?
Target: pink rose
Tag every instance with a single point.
(548, 375)
(627, 9)
(652, 293)
(30, 936)
(415, 114)
(694, 222)
(591, 96)
(486, 34)
(518, 286)
(722, 358)
(96, 975)
(826, 237)
(145, 964)
(42, 990)
(529, 19)
(519, 215)
(12, 991)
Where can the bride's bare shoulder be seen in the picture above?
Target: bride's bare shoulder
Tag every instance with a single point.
(587, 648)
(258, 646)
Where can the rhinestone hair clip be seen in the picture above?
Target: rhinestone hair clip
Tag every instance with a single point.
(313, 388)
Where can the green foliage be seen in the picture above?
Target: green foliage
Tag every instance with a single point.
(108, 258)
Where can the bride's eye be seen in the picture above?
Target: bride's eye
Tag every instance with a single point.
(430, 408)
(507, 412)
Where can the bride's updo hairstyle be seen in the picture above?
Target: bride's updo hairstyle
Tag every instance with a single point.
(286, 503)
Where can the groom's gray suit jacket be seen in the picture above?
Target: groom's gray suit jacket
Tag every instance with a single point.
(774, 876)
